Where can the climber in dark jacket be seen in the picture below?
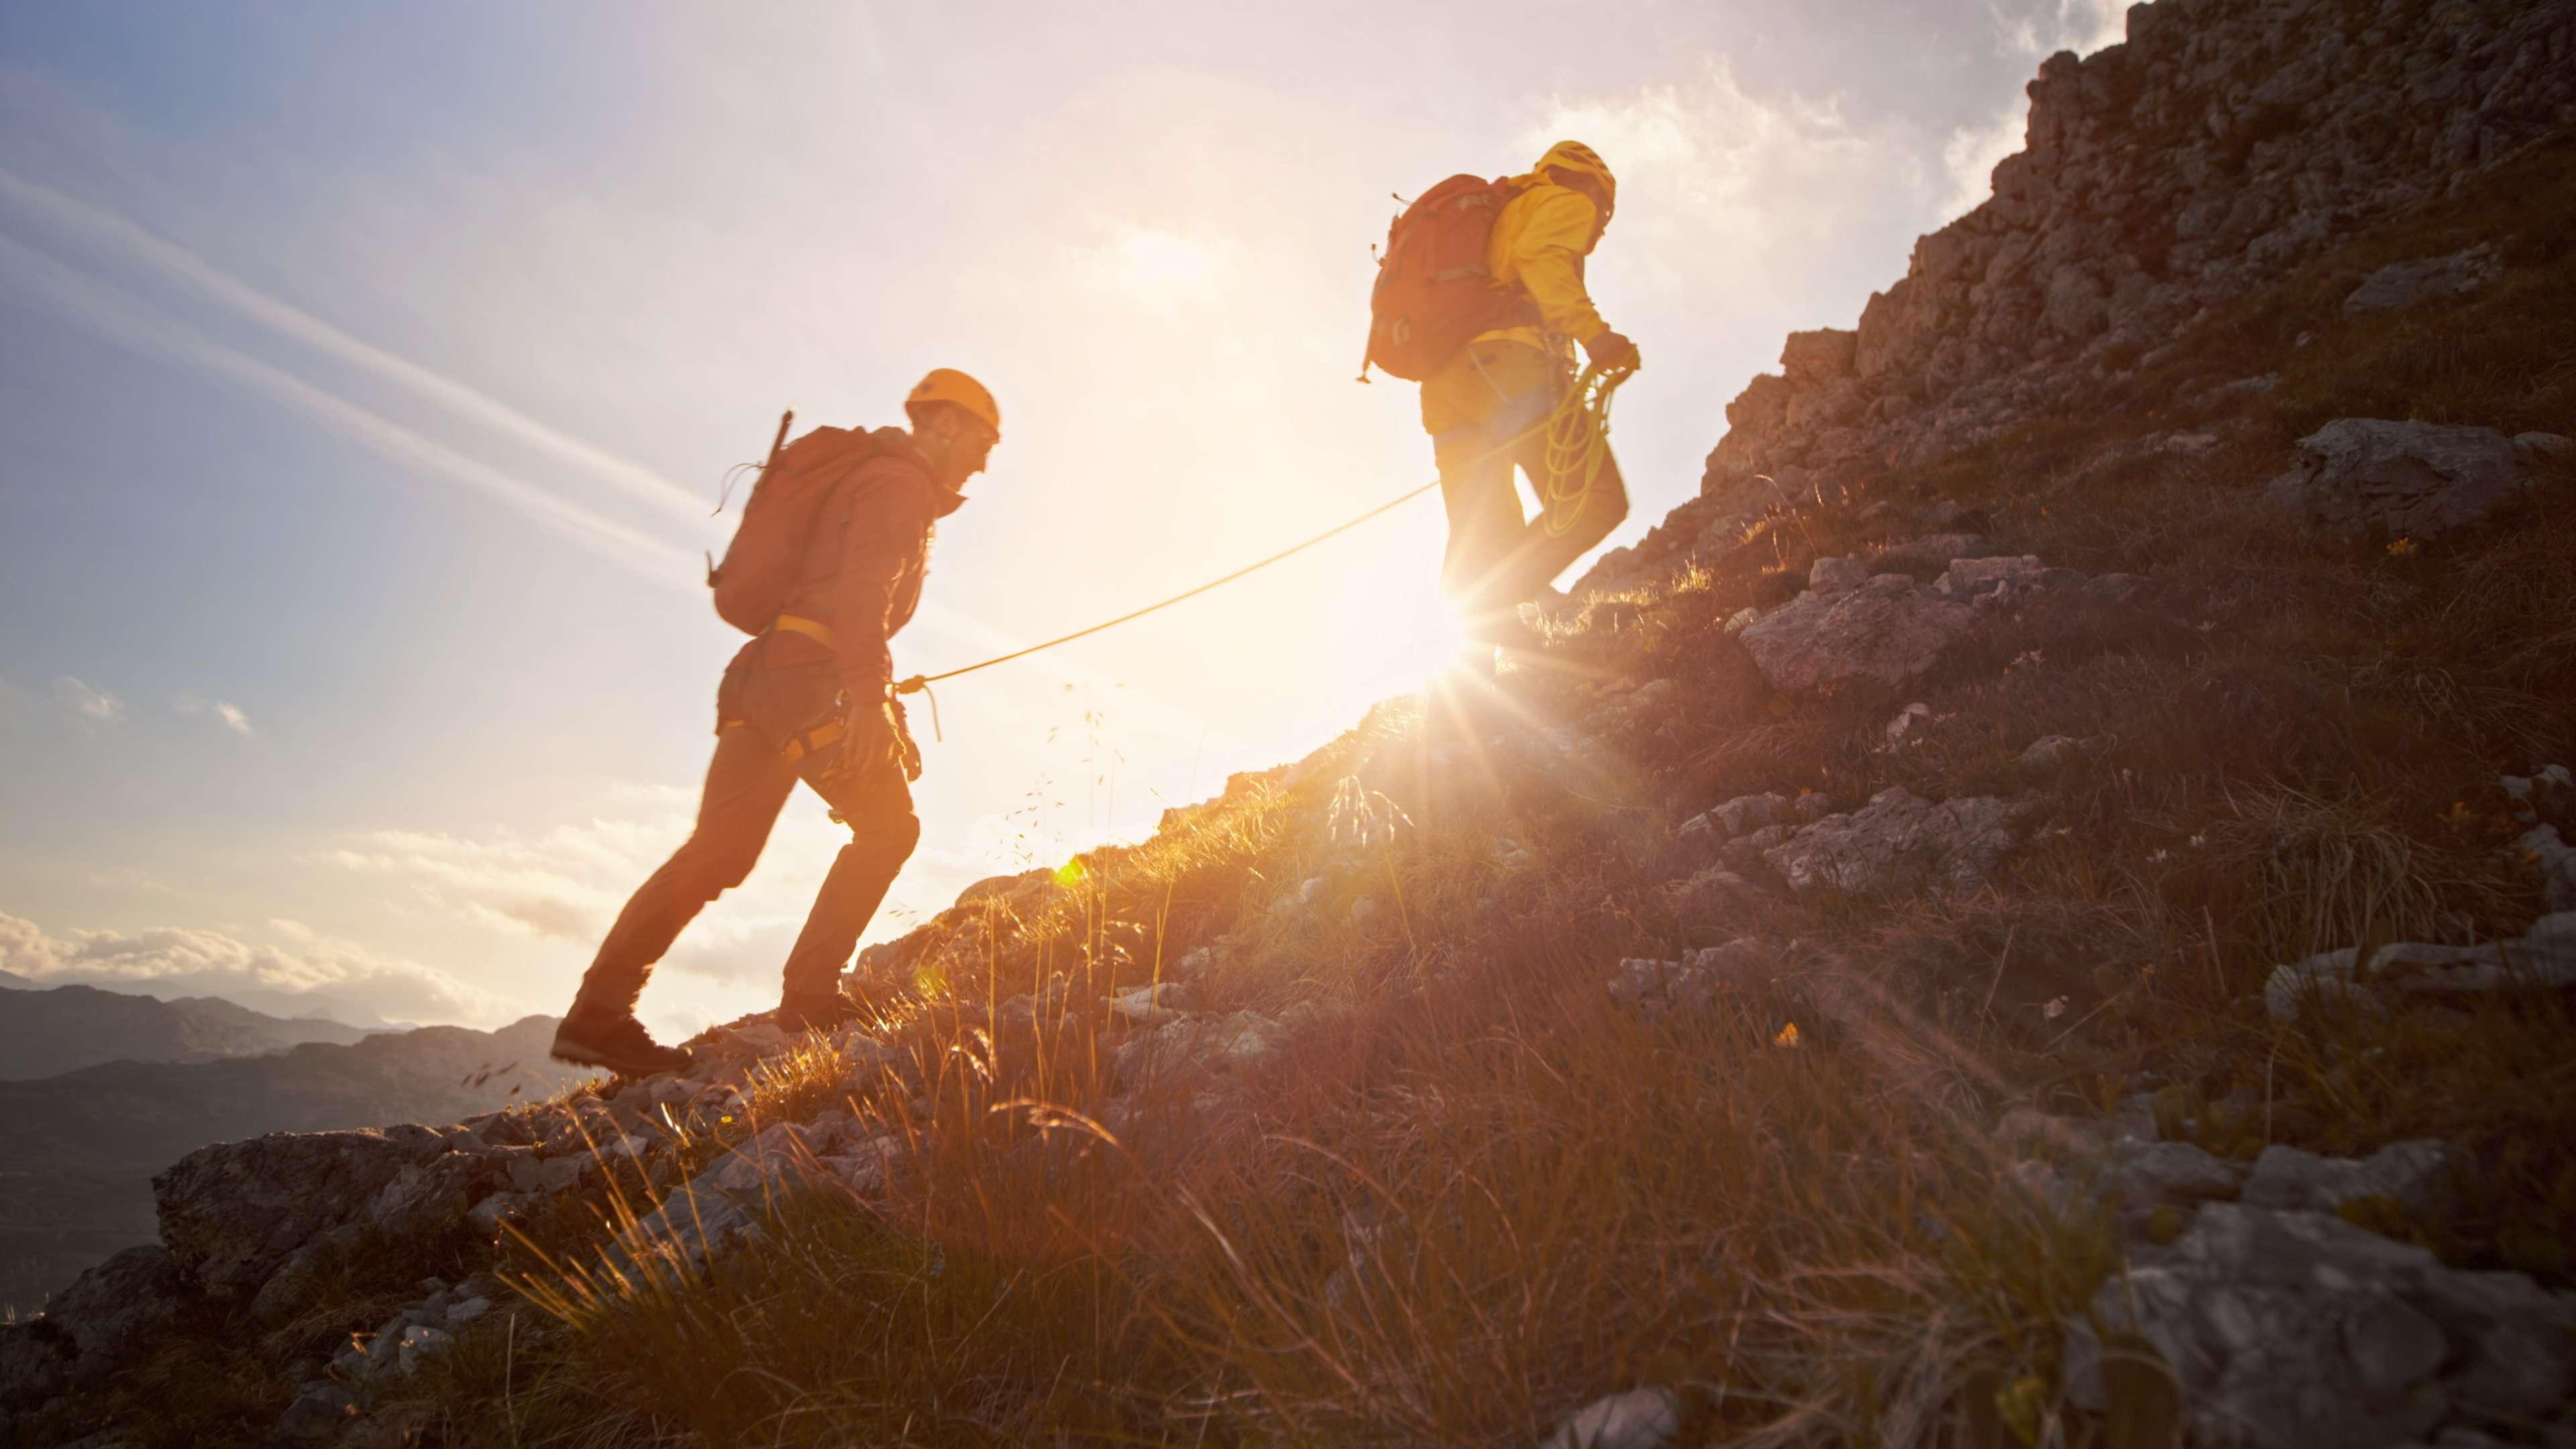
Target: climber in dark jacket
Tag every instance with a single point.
(811, 698)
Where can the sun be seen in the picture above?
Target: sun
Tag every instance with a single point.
(1435, 645)
(1153, 263)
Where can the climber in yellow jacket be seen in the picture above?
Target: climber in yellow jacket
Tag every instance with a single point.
(1510, 378)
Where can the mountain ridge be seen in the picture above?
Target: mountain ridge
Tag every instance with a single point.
(78, 1149)
(51, 1030)
(2004, 921)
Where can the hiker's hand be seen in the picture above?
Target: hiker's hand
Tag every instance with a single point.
(906, 752)
(1612, 349)
(868, 738)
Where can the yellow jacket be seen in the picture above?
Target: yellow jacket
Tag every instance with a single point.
(1539, 243)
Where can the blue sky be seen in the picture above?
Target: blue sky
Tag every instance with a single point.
(369, 371)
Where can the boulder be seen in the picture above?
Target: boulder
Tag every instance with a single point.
(2544, 958)
(1747, 813)
(1872, 640)
(1833, 575)
(1711, 898)
(321, 1413)
(233, 1214)
(1647, 1418)
(119, 1307)
(2557, 862)
(2408, 479)
(1826, 354)
(35, 1362)
(2051, 752)
(2415, 1175)
(2175, 1174)
(2402, 284)
(1197, 1045)
(1900, 843)
(2296, 1328)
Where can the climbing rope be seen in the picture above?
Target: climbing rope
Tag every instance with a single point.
(1578, 445)
(1578, 437)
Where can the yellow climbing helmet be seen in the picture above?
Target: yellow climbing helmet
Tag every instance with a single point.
(948, 385)
(1582, 161)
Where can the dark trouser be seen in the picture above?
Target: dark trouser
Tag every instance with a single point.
(748, 783)
(1497, 558)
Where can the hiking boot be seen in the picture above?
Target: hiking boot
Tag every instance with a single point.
(619, 1043)
(817, 1013)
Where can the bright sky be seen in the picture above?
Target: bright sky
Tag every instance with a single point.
(369, 372)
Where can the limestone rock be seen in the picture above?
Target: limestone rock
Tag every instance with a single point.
(1824, 355)
(2557, 862)
(2297, 1328)
(2402, 284)
(1874, 639)
(2416, 1175)
(2544, 958)
(1747, 813)
(1199, 1044)
(2051, 752)
(35, 1362)
(1152, 1004)
(1711, 898)
(1647, 1418)
(320, 1414)
(2412, 480)
(233, 1214)
(1655, 986)
(2173, 1173)
(116, 1309)
(1900, 843)
(1936, 550)
(1834, 575)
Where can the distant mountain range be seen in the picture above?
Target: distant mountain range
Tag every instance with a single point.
(45, 1031)
(78, 1150)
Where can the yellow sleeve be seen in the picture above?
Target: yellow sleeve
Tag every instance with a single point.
(1548, 254)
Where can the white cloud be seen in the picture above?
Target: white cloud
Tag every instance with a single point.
(87, 702)
(1712, 177)
(298, 971)
(2082, 26)
(1159, 269)
(567, 883)
(564, 886)
(229, 715)
(1969, 157)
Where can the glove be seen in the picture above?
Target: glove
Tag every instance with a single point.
(1612, 349)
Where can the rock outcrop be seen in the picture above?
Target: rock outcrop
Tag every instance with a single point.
(2219, 145)
(2406, 480)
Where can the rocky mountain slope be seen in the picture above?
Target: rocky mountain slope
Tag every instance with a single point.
(2037, 911)
(78, 1150)
(2218, 148)
(47, 1031)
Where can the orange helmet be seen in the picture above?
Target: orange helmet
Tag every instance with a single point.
(948, 385)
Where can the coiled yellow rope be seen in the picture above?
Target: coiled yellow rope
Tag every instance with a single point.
(1578, 444)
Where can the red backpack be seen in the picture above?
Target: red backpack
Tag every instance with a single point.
(1434, 292)
(762, 563)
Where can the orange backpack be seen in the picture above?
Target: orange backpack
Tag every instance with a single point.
(1434, 293)
(761, 565)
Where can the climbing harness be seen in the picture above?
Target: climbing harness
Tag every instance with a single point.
(1578, 436)
(1578, 445)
